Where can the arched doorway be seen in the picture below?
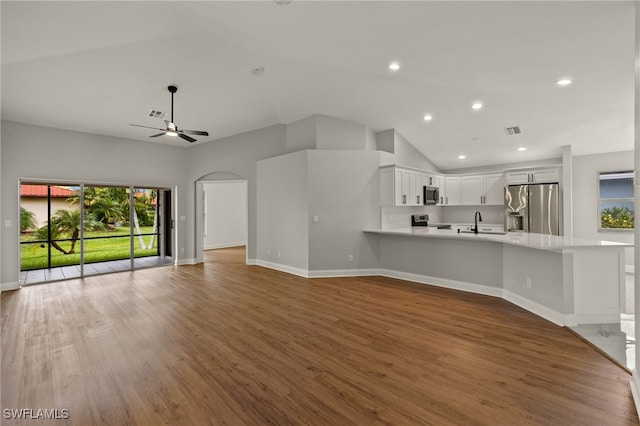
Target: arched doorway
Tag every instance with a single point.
(202, 201)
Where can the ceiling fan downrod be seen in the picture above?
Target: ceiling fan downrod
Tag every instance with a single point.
(172, 90)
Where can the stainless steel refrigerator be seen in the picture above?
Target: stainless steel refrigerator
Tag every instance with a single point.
(532, 208)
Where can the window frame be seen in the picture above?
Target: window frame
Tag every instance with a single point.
(599, 201)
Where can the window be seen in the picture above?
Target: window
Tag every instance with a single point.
(615, 200)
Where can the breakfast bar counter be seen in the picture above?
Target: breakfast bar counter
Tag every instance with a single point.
(568, 281)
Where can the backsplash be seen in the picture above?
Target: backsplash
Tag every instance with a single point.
(464, 214)
(400, 217)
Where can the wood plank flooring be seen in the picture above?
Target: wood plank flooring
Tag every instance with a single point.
(229, 344)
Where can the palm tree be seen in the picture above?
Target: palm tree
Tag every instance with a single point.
(66, 222)
(27, 220)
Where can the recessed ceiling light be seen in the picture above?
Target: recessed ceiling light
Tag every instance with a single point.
(476, 105)
(394, 66)
(522, 148)
(428, 117)
(564, 82)
(461, 157)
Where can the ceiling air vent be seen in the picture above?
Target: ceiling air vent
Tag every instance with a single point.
(157, 114)
(515, 130)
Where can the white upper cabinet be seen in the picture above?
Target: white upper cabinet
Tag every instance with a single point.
(451, 195)
(542, 175)
(471, 191)
(485, 189)
(494, 189)
(401, 186)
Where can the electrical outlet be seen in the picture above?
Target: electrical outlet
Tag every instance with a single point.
(268, 252)
(350, 258)
(316, 219)
(279, 253)
(528, 282)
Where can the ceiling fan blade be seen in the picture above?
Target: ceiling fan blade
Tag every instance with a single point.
(146, 127)
(195, 132)
(159, 134)
(187, 138)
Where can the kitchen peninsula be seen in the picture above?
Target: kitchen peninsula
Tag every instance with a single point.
(568, 281)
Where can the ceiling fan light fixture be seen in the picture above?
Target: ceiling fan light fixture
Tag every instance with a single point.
(171, 133)
(564, 82)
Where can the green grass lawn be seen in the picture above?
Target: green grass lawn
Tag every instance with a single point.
(34, 256)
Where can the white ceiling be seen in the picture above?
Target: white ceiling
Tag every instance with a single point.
(98, 66)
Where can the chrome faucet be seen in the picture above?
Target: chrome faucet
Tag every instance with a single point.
(477, 218)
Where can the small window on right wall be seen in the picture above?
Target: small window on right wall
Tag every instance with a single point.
(615, 201)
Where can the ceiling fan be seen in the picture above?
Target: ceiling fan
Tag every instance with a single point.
(172, 129)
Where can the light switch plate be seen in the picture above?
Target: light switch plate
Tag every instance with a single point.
(7, 224)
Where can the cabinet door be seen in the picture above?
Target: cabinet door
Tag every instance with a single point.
(518, 178)
(494, 189)
(471, 193)
(452, 188)
(415, 182)
(397, 187)
(546, 176)
(406, 186)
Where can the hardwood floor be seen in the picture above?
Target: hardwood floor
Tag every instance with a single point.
(230, 344)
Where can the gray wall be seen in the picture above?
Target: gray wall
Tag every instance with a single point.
(35, 152)
(283, 210)
(343, 190)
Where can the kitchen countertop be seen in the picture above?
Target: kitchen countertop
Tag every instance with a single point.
(523, 239)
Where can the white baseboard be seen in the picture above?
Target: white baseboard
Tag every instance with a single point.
(540, 310)
(336, 273)
(635, 389)
(283, 268)
(629, 269)
(442, 282)
(10, 286)
(190, 261)
(252, 262)
(225, 245)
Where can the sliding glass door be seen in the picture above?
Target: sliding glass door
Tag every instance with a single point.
(74, 230)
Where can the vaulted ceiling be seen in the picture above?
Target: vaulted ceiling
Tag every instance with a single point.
(98, 66)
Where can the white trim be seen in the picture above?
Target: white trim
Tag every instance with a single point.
(283, 268)
(629, 269)
(443, 282)
(540, 310)
(225, 245)
(336, 273)
(191, 261)
(635, 389)
(15, 285)
(251, 261)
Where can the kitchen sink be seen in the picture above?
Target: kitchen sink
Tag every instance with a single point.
(484, 232)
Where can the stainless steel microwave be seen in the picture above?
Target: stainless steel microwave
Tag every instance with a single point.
(430, 195)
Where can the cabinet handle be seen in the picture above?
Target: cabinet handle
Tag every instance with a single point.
(418, 198)
(447, 200)
(440, 200)
(404, 199)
